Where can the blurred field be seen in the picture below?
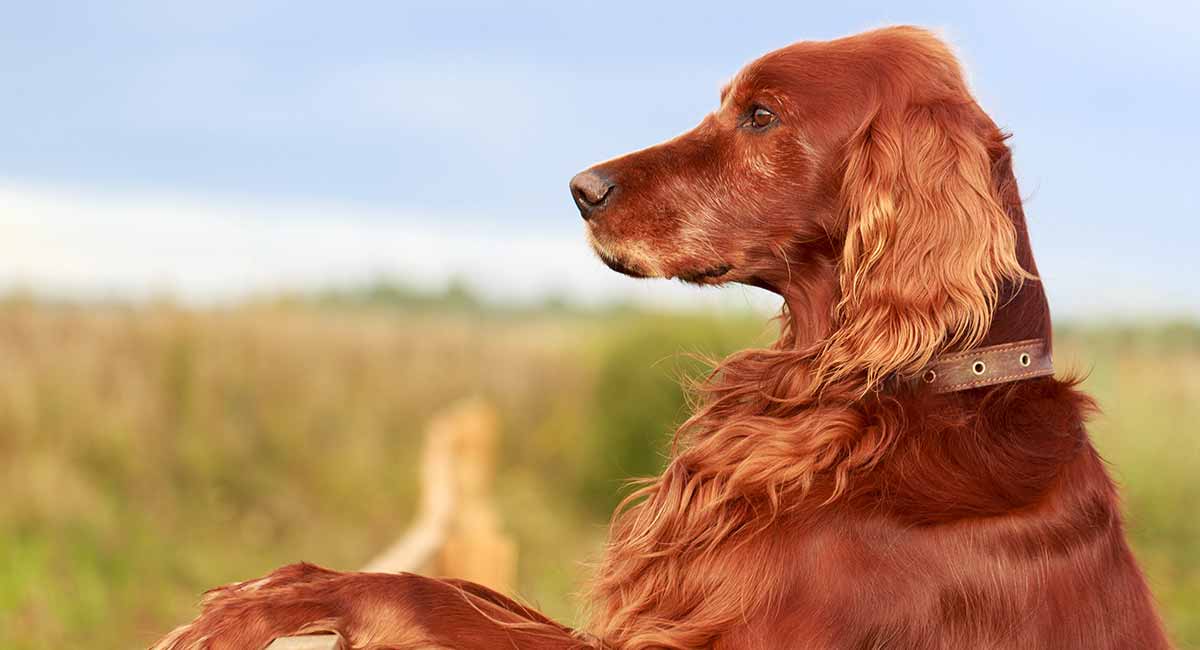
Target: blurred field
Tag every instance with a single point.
(149, 453)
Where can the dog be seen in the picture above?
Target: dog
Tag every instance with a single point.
(901, 469)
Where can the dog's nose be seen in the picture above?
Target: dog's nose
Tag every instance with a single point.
(591, 191)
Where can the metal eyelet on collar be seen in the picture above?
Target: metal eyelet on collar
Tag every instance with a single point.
(1024, 359)
(979, 367)
(929, 376)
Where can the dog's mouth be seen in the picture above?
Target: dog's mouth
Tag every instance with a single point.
(706, 276)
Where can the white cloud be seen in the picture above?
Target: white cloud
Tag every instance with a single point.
(94, 243)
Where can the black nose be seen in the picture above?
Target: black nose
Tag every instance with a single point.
(591, 191)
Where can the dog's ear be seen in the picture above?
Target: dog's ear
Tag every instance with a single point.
(928, 244)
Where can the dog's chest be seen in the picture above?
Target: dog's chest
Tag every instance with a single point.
(872, 584)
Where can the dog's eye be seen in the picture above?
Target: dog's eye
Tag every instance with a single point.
(760, 118)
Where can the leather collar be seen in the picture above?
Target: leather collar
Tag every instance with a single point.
(995, 364)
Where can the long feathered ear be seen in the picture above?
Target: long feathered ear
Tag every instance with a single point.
(927, 246)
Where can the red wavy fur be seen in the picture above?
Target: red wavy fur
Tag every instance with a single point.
(816, 498)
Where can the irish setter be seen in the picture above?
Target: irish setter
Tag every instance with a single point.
(899, 470)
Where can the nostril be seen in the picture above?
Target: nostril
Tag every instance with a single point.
(590, 190)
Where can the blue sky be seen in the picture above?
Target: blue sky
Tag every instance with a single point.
(260, 132)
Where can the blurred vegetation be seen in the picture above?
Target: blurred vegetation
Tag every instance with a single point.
(149, 452)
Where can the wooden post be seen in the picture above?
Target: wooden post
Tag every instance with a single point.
(457, 532)
(308, 642)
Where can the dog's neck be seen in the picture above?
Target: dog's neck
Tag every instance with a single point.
(809, 296)
(1022, 311)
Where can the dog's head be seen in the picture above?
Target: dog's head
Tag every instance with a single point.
(861, 165)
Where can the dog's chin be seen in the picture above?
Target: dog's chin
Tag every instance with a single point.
(621, 266)
(705, 275)
(711, 275)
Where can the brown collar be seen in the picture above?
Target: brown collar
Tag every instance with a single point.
(994, 364)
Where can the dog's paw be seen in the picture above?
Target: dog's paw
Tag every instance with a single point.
(366, 610)
(294, 600)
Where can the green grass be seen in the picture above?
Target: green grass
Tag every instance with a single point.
(149, 453)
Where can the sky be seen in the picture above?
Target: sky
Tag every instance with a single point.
(211, 150)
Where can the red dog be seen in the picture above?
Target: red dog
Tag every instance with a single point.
(898, 471)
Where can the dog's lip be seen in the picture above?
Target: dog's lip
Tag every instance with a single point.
(706, 275)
